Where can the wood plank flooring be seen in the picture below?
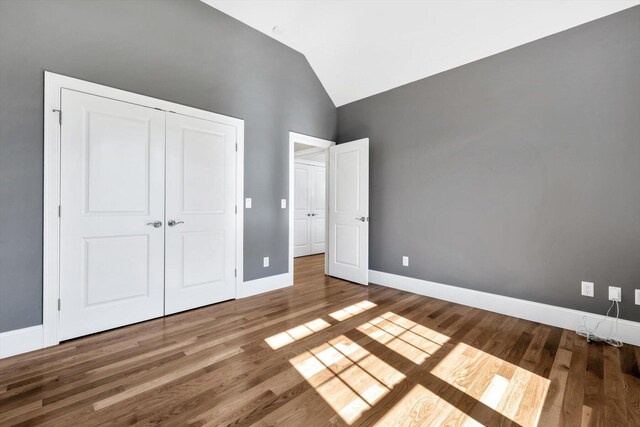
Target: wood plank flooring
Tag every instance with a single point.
(326, 352)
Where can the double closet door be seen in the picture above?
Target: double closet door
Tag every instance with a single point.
(147, 217)
(310, 210)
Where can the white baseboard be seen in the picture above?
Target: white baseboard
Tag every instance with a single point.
(20, 341)
(628, 332)
(266, 284)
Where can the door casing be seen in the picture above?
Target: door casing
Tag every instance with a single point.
(53, 85)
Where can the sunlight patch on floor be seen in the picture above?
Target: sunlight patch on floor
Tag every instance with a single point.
(509, 390)
(420, 406)
(407, 338)
(349, 378)
(352, 310)
(352, 380)
(294, 334)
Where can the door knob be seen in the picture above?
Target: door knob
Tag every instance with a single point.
(308, 214)
(155, 224)
(173, 223)
(362, 218)
(313, 214)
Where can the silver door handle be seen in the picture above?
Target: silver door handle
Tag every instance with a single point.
(313, 214)
(155, 224)
(173, 223)
(362, 218)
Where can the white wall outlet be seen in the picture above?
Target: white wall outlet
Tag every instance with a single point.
(637, 296)
(405, 261)
(283, 203)
(587, 289)
(247, 203)
(265, 261)
(615, 294)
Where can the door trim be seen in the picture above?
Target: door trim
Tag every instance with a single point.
(53, 85)
(314, 142)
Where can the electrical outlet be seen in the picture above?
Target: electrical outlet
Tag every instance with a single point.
(587, 289)
(615, 294)
(405, 261)
(637, 296)
(247, 203)
(265, 261)
(283, 203)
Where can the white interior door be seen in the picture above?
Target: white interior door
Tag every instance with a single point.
(112, 187)
(200, 213)
(349, 211)
(302, 211)
(318, 223)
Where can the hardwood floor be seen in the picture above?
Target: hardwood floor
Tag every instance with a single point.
(326, 352)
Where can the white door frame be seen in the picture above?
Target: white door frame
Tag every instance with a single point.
(53, 85)
(314, 142)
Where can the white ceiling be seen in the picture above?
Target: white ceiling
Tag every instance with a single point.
(299, 147)
(309, 152)
(362, 47)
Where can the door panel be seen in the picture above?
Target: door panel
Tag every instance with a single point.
(203, 171)
(302, 211)
(318, 235)
(200, 198)
(203, 255)
(124, 276)
(112, 185)
(347, 169)
(349, 211)
(117, 163)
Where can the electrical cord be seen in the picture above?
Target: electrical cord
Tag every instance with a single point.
(593, 335)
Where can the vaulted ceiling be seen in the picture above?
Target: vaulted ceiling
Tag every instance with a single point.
(362, 47)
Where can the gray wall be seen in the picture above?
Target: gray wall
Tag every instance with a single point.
(518, 174)
(182, 51)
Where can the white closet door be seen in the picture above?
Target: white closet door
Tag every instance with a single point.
(349, 211)
(302, 211)
(317, 229)
(200, 199)
(112, 187)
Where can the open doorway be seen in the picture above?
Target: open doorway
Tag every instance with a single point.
(309, 210)
(308, 157)
(329, 205)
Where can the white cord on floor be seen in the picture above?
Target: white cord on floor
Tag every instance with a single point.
(592, 334)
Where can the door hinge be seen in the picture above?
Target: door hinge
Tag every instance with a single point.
(236, 209)
(55, 110)
(236, 147)
(58, 304)
(235, 272)
(59, 211)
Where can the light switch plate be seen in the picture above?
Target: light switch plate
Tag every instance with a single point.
(247, 203)
(283, 203)
(405, 261)
(615, 294)
(265, 261)
(637, 296)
